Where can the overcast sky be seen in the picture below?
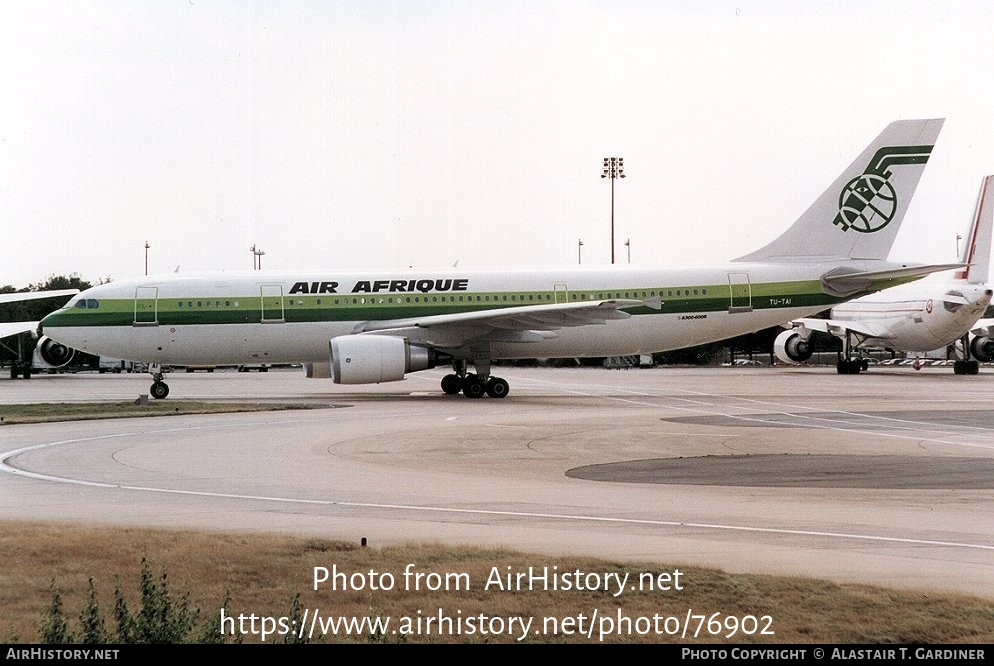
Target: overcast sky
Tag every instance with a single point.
(378, 134)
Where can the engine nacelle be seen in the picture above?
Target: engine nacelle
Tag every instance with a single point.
(982, 348)
(54, 353)
(792, 347)
(371, 359)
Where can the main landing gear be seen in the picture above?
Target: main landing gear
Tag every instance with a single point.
(474, 385)
(966, 365)
(852, 363)
(851, 366)
(159, 388)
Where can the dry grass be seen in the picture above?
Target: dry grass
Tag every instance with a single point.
(263, 573)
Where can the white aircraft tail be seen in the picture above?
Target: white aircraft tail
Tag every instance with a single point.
(977, 252)
(859, 215)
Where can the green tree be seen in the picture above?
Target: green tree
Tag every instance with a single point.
(296, 617)
(55, 625)
(92, 627)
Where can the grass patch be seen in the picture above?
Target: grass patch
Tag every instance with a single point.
(272, 576)
(79, 411)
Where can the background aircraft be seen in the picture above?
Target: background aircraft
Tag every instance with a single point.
(8, 329)
(918, 317)
(360, 328)
(15, 327)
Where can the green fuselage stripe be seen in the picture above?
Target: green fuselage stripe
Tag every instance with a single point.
(247, 309)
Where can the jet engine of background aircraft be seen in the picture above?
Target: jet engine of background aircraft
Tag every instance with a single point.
(792, 347)
(55, 353)
(982, 348)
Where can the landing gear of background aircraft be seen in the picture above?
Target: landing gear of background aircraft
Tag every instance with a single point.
(966, 367)
(851, 366)
(159, 388)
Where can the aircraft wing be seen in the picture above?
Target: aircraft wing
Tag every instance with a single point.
(524, 323)
(29, 295)
(838, 327)
(15, 327)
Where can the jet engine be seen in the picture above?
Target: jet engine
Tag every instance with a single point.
(982, 348)
(54, 353)
(371, 359)
(791, 347)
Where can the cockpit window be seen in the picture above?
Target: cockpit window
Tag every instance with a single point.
(87, 304)
(955, 302)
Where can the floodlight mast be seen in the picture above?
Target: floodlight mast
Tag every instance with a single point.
(614, 168)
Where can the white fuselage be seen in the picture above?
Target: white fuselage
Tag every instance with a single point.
(917, 319)
(698, 305)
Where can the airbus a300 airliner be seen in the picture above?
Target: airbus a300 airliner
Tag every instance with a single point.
(377, 326)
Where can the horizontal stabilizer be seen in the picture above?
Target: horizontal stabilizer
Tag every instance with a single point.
(846, 281)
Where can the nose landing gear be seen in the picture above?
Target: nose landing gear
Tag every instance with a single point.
(159, 389)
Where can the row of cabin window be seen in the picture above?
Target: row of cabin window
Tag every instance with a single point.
(462, 299)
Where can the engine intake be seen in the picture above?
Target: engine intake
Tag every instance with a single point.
(792, 347)
(371, 359)
(55, 353)
(982, 348)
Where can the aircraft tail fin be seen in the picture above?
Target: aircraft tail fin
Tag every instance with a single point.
(858, 216)
(977, 252)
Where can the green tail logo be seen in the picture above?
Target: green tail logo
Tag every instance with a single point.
(868, 202)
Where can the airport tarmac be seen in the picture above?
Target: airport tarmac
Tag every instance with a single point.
(886, 477)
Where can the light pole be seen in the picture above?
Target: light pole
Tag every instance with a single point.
(256, 258)
(628, 244)
(614, 167)
(146, 257)
(579, 247)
